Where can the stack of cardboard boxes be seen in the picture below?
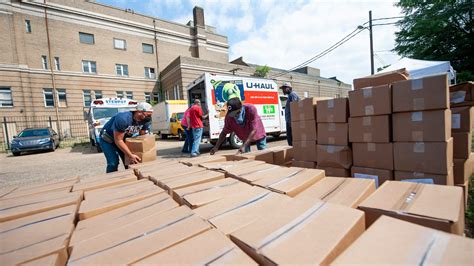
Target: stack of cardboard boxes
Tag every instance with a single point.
(423, 147)
(333, 151)
(303, 124)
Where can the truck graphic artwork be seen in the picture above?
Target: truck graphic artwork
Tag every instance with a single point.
(223, 91)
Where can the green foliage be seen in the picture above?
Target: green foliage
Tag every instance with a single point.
(261, 71)
(438, 30)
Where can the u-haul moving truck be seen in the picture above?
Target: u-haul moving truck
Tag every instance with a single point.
(214, 90)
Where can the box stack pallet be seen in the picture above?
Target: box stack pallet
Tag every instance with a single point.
(462, 111)
(333, 151)
(303, 125)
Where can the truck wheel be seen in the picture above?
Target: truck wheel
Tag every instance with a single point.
(164, 136)
(234, 141)
(276, 135)
(16, 153)
(181, 135)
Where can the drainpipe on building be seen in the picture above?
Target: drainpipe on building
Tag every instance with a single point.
(158, 72)
(55, 92)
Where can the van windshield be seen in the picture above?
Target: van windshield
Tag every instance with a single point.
(99, 113)
(180, 116)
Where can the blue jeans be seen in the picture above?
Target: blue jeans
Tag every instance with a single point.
(188, 142)
(197, 135)
(112, 154)
(289, 135)
(261, 145)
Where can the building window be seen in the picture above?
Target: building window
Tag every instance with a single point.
(120, 44)
(121, 70)
(147, 48)
(62, 99)
(28, 25)
(57, 64)
(147, 97)
(44, 61)
(48, 97)
(6, 99)
(119, 94)
(87, 98)
(306, 94)
(86, 38)
(150, 72)
(156, 97)
(167, 95)
(89, 66)
(176, 92)
(129, 94)
(98, 94)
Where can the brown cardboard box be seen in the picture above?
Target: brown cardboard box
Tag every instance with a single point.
(262, 155)
(335, 171)
(373, 155)
(282, 154)
(210, 247)
(304, 130)
(139, 239)
(233, 213)
(333, 134)
(55, 186)
(270, 171)
(305, 109)
(393, 242)
(305, 151)
(158, 174)
(50, 260)
(173, 183)
(238, 172)
(462, 94)
(223, 166)
(463, 169)
(381, 79)
(290, 184)
(422, 126)
(7, 190)
(30, 238)
(370, 129)
(333, 111)
(148, 156)
(465, 191)
(428, 157)
(462, 143)
(462, 119)
(371, 101)
(428, 93)
(116, 178)
(334, 156)
(303, 164)
(141, 143)
(300, 233)
(436, 206)
(98, 193)
(378, 175)
(427, 178)
(196, 161)
(338, 190)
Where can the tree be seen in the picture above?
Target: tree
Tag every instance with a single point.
(262, 71)
(438, 30)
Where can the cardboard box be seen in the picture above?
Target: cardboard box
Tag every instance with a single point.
(334, 171)
(338, 190)
(333, 111)
(106, 222)
(462, 94)
(304, 130)
(7, 190)
(427, 93)
(141, 143)
(51, 260)
(98, 193)
(223, 166)
(333, 134)
(290, 184)
(55, 186)
(463, 169)
(370, 129)
(462, 143)
(238, 172)
(303, 164)
(233, 213)
(378, 175)
(406, 244)
(305, 151)
(427, 178)
(334, 156)
(145, 170)
(300, 233)
(98, 183)
(30, 238)
(422, 126)
(428, 157)
(371, 101)
(157, 174)
(206, 248)
(259, 155)
(269, 172)
(462, 119)
(381, 79)
(148, 156)
(196, 161)
(305, 109)
(173, 183)
(139, 239)
(373, 155)
(282, 154)
(465, 191)
(435, 206)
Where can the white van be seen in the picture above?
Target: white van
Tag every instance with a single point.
(214, 90)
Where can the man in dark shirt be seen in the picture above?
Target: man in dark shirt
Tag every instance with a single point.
(292, 97)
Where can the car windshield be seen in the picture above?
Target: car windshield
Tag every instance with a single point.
(99, 113)
(34, 133)
(180, 116)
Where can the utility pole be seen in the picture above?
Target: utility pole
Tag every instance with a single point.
(371, 44)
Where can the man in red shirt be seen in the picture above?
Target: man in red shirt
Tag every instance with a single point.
(244, 120)
(195, 118)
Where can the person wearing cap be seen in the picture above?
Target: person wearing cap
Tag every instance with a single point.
(195, 126)
(121, 126)
(244, 121)
(292, 97)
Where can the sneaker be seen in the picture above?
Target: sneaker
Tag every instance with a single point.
(194, 155)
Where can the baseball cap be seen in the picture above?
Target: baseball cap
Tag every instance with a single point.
(233, 105)
(286, 84)
(145, 107)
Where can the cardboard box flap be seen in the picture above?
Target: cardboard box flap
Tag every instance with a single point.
(50, 260)
(103, 180)
(230, 164)
(98, 193)
(5, 191)
(293, 183)
(242, 171)
(191, 180)
(160, 173)
(381, 79)
(63, 185)
(202, 159)
(272, 171)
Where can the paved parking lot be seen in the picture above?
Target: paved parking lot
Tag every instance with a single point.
(82, 160)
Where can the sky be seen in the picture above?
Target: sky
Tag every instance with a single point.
(286, 33)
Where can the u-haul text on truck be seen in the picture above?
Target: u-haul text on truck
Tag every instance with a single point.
(215, 90)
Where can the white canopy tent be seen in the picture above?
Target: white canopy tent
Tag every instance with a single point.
(422, 68)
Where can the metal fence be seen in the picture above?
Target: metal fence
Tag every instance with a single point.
(74, 129)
